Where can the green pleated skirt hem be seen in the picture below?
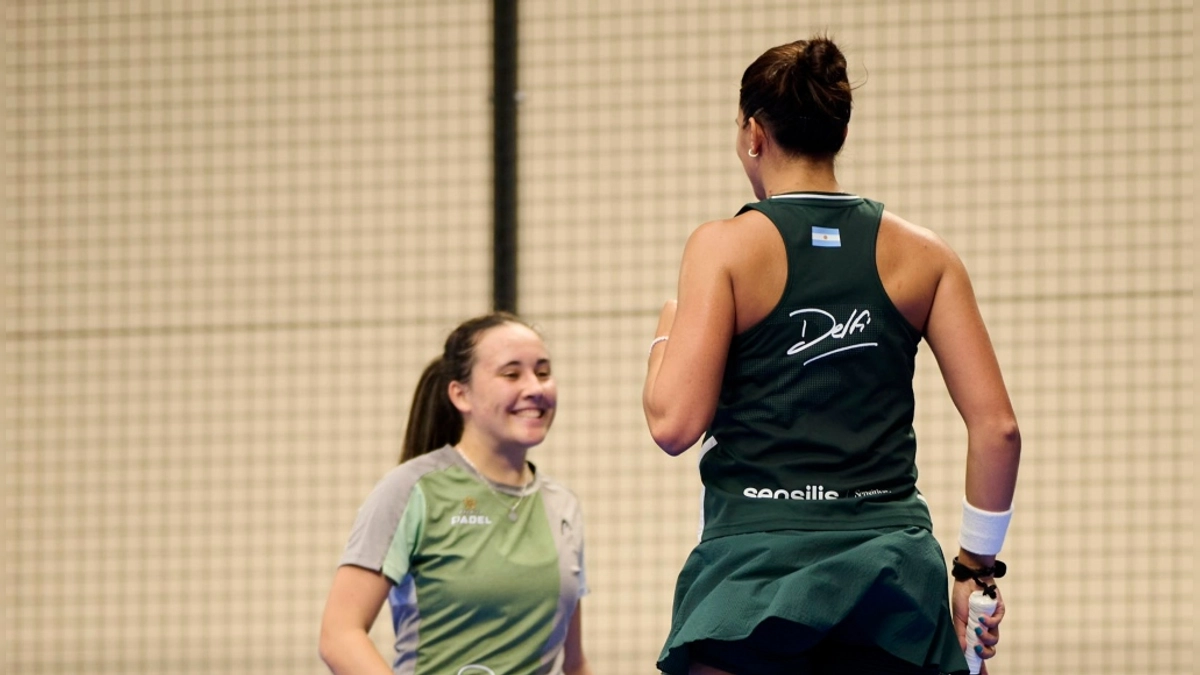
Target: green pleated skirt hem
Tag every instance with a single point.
(886, 588)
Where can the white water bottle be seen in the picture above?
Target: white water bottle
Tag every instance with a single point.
(978, 605)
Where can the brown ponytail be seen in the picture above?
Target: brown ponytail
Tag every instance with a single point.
(433, 421)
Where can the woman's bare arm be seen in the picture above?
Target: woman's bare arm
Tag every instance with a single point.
(683, 377)
(574, 661)
(354, 601)
(959, 340)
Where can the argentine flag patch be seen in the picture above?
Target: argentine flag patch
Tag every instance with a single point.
(826, 237)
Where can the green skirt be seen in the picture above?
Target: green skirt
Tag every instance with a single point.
(881, 588)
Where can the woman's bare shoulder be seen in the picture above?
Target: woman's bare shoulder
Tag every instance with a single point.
(735, 239)
(908, 239)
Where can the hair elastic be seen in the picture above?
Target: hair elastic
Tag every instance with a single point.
(961, 572)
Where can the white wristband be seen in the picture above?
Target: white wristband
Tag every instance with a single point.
(982, 531)
(655, 341)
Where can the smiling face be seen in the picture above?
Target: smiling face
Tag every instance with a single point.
(510, 399)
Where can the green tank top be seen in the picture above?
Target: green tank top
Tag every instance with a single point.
(813, 428)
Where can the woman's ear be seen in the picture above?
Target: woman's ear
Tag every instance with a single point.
(757, 137)
(457, 391)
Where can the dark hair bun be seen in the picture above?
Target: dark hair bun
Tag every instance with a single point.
(801, 94)
(820, 81)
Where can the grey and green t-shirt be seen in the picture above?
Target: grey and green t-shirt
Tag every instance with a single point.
(473, 590)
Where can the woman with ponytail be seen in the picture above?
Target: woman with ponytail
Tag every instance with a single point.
(790, 351)
(479, 556)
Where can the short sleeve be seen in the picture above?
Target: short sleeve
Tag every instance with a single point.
(408, 534)
(388, 526)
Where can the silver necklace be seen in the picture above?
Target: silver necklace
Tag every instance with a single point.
(512, 510)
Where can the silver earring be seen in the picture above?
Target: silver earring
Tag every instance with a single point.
(751, 153)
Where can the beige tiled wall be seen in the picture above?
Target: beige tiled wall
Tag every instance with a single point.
(235, 232)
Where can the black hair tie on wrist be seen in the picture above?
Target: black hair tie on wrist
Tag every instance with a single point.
(961, 572)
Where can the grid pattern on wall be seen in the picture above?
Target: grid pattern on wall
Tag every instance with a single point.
(235, 233)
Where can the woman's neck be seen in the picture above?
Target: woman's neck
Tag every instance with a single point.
(799, 175)
(507, 467)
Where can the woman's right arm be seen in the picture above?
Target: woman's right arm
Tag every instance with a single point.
(959, 340)
(354, 602)
(956, 333)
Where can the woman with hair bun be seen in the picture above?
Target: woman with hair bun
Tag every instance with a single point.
(790, 351)
(478, 554)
